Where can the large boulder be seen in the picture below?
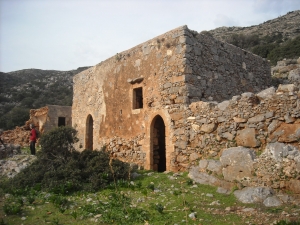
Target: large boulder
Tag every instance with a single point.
(237, 163)
(254, 194)
(272, 201)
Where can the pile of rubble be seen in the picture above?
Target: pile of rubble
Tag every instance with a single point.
(20, 135)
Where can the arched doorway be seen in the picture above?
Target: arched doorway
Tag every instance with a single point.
(89, 133)
(158, 140)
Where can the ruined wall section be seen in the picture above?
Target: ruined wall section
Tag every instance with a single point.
(218, 70)
(249, 120)
(88, 99)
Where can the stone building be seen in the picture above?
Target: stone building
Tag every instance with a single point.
(44, 119)
(51, 116)
(136, 103)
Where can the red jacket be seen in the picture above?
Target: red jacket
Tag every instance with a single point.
(33, 135)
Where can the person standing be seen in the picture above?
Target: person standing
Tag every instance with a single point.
(32, 139)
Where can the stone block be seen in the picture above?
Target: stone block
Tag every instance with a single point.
(208, 128)
(286, 133)
(237, 163)
(257, 118)
(246, 138)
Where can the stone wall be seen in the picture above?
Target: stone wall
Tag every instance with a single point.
(104, 94)
(287, 71)
(249, 120)
(218, 71)
(172, 70)
(55, 112)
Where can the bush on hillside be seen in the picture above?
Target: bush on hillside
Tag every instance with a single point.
(15, 117)
(61, 169)
(289, 50)
(273, 47)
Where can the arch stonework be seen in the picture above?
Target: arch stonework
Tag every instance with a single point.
(148, 144)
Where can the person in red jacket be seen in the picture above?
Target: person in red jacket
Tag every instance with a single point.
(32, 139)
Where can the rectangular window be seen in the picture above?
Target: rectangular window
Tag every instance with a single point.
(138, 98)
(61, 121)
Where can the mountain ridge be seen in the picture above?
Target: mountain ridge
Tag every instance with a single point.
(288, 25)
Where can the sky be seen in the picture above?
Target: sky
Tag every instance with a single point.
(67, 34)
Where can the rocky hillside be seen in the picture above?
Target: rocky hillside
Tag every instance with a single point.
(274, 39)
(30, 89)
(288, 26)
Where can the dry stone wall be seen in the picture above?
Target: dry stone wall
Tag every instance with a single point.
(218, 71)
(287, 71)
(247, 120)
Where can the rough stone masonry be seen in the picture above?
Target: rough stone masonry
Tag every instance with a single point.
(156, 105)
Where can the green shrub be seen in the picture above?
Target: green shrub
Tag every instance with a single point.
(62, 170)
(13, 205)
(289, 50)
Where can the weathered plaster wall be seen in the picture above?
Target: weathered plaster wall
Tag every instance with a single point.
(106, 93)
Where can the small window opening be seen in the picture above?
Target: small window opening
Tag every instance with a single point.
(61, 121)
(138, 98)
(121, 112)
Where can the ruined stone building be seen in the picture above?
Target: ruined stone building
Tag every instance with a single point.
(51, 116)
(138, 102)
(44, 119)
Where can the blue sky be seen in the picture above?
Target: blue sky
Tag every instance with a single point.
(67, 34)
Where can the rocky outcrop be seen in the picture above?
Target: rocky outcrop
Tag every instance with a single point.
(13, 165)
(237, 163)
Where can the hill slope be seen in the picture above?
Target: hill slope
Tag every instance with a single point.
(274, 39)
(30, 89)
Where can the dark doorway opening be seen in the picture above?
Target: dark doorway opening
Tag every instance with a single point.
(61, 121)
(89, 133)
(159, 145)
